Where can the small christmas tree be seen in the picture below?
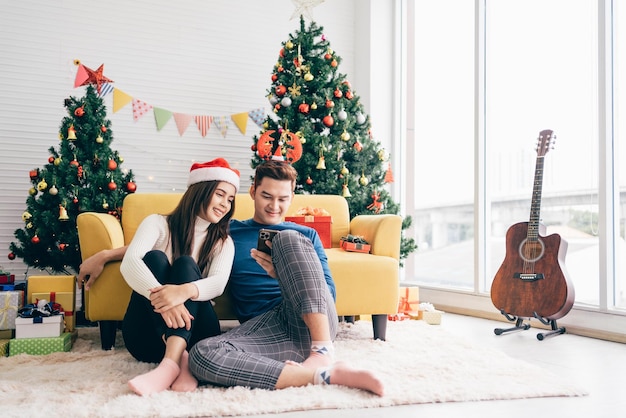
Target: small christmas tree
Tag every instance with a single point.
(82, 174)
(319, 125)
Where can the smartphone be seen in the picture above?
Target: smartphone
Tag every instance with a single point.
(265, 235)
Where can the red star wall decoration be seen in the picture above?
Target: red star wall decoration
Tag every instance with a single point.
(86, 75)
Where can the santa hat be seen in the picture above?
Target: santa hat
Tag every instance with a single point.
(215, 170)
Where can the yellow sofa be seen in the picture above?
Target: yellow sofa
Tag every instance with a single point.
(365, 283)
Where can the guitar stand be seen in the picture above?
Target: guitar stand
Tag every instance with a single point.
(555, 330)
(521, 326)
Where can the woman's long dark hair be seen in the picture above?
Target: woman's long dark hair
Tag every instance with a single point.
(182, 220)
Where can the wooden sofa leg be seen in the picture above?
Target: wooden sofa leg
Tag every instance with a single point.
(108, 330)
(379, 322)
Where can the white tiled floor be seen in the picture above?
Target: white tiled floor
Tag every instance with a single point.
(598, 366)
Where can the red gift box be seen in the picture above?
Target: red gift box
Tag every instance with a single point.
(7, 278)
(321, 224)
(355, 246)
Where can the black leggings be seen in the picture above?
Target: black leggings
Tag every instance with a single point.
(143, 329)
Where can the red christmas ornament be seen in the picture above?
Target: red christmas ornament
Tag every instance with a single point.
(112, 185)
(338, 93)
(11, 256)
(274, 77)
(74, 163)
(349, 95)
(328, 121)
(328, 56)
(75, 201)
(112, 165)
(79, 111)
(33, 174)
(50, 159)
(329, 103)
(281, 90)
(62, 246)
(333, 63)
(358, 146)
(281, 52)
(309, 180)
(131, 187)
(103, 128)
(389, 174)
(253, 147)
(35, 239)
(304, 108)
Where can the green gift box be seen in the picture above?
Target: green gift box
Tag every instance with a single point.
(40, 346)
(4, 348)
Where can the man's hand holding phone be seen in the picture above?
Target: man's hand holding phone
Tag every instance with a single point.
(263, 253)
(265, 235)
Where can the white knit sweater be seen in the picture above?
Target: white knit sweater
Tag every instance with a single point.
(153, 234)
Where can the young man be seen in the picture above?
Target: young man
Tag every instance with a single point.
(285, 302)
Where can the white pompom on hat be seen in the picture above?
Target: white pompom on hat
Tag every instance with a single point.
(214, 170)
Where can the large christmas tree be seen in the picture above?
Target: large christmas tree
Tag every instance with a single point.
(320, 126)
(82, 174)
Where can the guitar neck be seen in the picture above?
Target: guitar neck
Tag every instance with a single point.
(535, 205)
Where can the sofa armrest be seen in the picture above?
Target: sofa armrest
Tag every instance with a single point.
(109, 295)
(382, 232)
(98, 231)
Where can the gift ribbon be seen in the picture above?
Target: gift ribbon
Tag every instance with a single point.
(4, 310)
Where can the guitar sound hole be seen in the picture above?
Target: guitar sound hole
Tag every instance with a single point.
(531, 251)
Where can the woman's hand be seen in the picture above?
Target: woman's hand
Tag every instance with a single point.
(264, 260)
(164, 298)
(177, 317)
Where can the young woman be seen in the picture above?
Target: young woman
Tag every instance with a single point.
(176, 264)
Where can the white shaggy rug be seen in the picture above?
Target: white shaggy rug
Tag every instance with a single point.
(419, 363)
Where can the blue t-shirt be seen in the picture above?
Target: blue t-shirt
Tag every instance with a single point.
(252, 290)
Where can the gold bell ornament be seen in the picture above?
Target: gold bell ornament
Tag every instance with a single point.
(321, 163)
(71, 133)
(345, 192)
(63, 213)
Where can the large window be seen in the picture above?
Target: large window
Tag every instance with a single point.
(488, 79)
(443, 154)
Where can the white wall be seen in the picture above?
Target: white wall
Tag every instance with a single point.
(197, 57)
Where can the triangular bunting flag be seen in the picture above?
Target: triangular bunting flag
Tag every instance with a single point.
(105, 89)
(81, 76)
(140, 108)
(257, 116)
(204, 123)
(222, 124)
(120, 99)
(182, 122)
(241, 121)
(161, 117)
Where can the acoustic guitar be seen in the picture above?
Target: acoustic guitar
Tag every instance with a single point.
(532, 281)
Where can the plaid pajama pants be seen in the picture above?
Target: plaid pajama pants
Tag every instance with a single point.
(253, 354)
